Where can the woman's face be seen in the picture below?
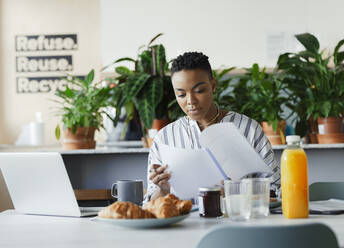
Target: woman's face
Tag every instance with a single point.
(194, 93)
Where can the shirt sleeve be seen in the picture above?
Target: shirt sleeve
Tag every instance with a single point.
(263, 146)
(153, 158)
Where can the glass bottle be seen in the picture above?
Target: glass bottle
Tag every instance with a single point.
(294, 179)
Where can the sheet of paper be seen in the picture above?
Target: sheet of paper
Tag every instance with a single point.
(329, 205)
(232, 151)
(191, 169)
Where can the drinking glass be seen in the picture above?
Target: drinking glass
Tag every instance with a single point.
(259, 191)
(237, 200)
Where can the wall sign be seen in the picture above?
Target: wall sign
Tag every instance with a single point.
(42, 84)
(52, 42)
(37, 69)
(44, 63)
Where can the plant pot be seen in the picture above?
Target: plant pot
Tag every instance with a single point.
(159, 124)
(275, 137)
(330, 125)
(331, 138)
(83, 138)
(313, 124)
(330, 130)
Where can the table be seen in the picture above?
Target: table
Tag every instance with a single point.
(46, 231)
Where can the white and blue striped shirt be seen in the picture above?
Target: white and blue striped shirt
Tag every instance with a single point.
(184, 133)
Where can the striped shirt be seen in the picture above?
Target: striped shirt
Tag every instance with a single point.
(184, 133)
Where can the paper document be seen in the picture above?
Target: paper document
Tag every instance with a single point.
(232, 151)
(190, 169)
(327, 206)
(226, 153)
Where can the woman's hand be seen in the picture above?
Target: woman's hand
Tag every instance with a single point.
(159, 176)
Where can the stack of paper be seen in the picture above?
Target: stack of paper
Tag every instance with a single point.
(225, 154)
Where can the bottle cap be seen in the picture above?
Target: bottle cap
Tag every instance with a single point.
(293, 138)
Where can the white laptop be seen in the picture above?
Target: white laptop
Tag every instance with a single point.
(38, 183)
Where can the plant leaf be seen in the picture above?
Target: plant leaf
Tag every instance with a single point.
(122, 70)
(134, 84)
(146, 112)
(325, 108)
(309, 41)
(57, 132)
(119, 60)
(89, 78)
(153, 91)
(154, 38)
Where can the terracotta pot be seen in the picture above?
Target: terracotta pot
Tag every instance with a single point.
(331, 138)
(313, 138)
(83, 138)
(330, 125)
(159, 124)
(274, 136)
(313, 124)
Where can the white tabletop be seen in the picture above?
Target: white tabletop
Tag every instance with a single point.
(45, 231)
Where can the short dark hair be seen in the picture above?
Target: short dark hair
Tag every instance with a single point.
(190, 61)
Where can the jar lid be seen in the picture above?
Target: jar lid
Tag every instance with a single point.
(205, 189)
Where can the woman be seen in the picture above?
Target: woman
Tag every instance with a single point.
(194, 86)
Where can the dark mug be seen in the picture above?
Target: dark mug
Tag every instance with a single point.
(128, 190)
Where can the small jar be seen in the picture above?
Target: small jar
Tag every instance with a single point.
(209, 202)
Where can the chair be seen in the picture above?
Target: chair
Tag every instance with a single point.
(312, 235)
(326, 190)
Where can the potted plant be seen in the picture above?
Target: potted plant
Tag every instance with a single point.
(267, 100)
(316, 86)
(146, 90)
(81, 111)
(223, 95)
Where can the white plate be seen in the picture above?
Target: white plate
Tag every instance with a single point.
(142, 223)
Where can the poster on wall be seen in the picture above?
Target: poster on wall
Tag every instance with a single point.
(41, 42)
(37, 68)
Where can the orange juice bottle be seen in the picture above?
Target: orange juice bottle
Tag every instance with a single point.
(294, 179)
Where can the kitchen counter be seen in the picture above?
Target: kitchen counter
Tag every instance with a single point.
(99, 168)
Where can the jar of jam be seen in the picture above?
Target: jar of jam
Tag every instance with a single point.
(209, 202)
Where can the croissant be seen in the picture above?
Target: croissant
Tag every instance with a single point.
(124, 210)
(168, 206)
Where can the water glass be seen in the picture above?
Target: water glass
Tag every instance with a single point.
(237, 200)
(259, 191)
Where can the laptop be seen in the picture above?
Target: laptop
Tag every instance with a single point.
(38, 183)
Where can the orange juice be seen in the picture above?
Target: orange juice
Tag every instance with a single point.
(294, 179)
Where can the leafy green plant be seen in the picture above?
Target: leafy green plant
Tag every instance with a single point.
(82, 103)
(316, 88)
(147, 89)
(223, 96)
(266, 95)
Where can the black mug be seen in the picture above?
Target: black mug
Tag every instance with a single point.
(128, 190)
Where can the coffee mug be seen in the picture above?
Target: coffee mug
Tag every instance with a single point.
(128, 190)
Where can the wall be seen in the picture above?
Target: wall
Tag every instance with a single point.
(230, 32)
(43, 17)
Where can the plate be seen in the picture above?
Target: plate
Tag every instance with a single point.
(275, 204)
(142, 223)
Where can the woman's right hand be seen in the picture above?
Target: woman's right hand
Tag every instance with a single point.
(159, 176)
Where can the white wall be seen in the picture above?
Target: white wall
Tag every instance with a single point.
(20, 17)
(230, 32)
